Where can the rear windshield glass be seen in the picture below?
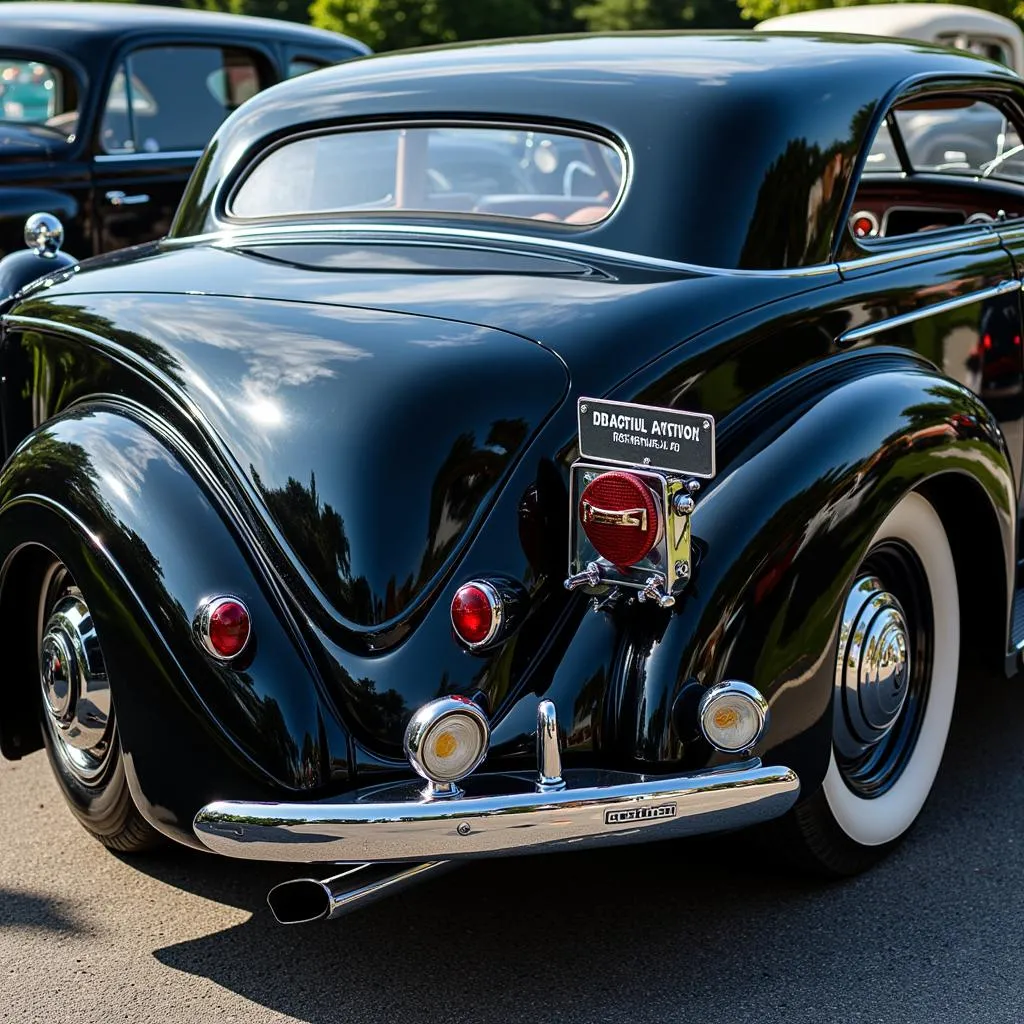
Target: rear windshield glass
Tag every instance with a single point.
(496, 172)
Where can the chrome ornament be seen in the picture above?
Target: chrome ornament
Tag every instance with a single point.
(626, 517)
(44, 234)
(873, 667)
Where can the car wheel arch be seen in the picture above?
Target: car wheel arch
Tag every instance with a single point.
(744, 604)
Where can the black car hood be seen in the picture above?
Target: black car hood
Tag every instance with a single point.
(23, 142)
(375, 441)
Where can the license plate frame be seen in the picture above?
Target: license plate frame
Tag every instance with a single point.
(647, 437)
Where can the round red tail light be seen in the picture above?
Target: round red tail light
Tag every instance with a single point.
(224, 627)
(620, 517)
(476, 613)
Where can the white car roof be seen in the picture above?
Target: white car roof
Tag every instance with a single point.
(909, 21)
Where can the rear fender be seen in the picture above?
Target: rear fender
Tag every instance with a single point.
(146, 544)
(781, 534)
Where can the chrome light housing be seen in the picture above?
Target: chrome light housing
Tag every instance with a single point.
(733, 716)
(446, 740)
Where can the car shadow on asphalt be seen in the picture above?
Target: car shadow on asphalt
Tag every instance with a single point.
(712, 925)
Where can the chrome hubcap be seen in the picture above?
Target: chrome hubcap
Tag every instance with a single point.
(76, 694)
(873, 669)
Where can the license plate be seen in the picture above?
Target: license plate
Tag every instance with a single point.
(648, 437)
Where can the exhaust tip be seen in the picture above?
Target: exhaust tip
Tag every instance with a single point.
(299, 901)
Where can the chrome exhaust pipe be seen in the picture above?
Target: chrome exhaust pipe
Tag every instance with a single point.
(303, 900)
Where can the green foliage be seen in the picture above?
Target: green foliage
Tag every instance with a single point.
(396, 24)
(640, 15)
(757, 10)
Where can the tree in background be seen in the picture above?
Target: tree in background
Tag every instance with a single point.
(287, 10)
(641, 15)
(760, 9)
(394, 24)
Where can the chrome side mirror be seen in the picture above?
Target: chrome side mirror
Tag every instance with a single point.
(44, 234)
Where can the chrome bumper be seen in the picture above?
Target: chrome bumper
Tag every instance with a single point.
(499, 815)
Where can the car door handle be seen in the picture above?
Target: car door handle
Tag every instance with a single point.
(117, 198)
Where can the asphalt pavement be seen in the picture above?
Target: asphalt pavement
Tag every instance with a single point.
(705, 931)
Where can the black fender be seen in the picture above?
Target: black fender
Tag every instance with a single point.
(810, 478)
(146, 539)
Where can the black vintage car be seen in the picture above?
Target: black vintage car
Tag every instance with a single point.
(521, 447)
(105, 107)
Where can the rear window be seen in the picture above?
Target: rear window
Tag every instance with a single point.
(492, 172)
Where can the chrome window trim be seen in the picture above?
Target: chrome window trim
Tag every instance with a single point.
(106, 158)
(621, 147)
(981, 235)
(426, 233)
(868, 330)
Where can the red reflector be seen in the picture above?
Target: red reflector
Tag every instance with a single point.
(1016, 339)
(474, 614)
(227, 631)
(620, 517)
(862, 227)
(987, 341)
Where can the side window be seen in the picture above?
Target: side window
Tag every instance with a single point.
(964, 137)
(941, 161)
(173, 98)
(303, 65)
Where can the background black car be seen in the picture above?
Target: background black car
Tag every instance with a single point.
(105, 108)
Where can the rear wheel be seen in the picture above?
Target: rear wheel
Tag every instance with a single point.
(895, 685)
(79, 726)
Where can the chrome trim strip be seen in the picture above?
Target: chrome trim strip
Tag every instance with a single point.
(918, 251)
(232, 237)
(170, 154)
(877, 326)
(596, 808)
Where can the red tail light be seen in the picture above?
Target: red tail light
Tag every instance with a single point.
(224, 627)
(987, 341)
(620, 517)
(476, 613)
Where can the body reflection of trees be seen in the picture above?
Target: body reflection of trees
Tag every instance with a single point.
(315, 530)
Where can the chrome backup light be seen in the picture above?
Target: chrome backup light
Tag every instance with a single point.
(445, 741)
(733, 716)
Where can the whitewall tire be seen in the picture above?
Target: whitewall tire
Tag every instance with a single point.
(895, 686)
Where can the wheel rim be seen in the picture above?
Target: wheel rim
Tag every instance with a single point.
(77, 711)
(882, 671)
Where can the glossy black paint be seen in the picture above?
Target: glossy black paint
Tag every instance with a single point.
(343, 427)
(69, 177)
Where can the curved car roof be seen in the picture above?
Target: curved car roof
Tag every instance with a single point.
(741, 144)
(84, 30)
(911, 20)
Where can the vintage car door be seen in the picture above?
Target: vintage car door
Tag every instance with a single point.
(163, 104)
(949, 212)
